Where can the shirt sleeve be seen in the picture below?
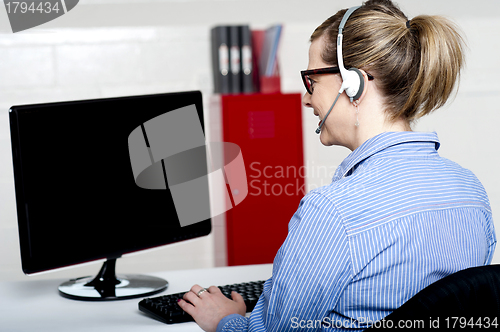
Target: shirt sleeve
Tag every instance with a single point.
(310, 272)
(491, 235)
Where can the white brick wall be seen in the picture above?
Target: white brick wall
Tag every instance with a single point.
(106, 48)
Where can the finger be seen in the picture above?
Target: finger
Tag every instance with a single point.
(196, 289)
(187, 307)
(237, 297)
(240, 302)
(192, 297)
(214, 290)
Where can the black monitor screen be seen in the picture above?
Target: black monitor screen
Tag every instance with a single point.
(77, 198)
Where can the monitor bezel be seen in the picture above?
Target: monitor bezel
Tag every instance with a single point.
(28, 266)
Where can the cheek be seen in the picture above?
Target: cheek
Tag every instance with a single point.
(322, 105)
(320, 100)
(324, 94)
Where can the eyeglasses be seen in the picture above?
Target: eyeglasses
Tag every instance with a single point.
(308, 83)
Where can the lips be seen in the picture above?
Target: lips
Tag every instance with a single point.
(318, 116)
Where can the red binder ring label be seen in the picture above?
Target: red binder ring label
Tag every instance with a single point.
(169, 152)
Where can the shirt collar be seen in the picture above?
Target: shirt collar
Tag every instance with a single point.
(382, 142)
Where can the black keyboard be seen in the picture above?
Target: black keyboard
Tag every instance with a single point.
(166, 309)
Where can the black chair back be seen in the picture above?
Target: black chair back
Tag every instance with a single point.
(467, 299)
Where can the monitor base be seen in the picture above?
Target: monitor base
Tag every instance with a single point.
(106, 286)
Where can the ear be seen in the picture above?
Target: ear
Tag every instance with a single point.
(365, 85)
(353, 82)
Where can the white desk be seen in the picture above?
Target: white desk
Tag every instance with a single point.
(30, 306)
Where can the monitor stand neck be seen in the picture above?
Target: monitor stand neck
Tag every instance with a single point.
(107, 286)
(105, 281)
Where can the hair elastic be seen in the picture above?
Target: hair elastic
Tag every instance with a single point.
(408, 24)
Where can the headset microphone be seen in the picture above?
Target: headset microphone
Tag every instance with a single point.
(324, 119)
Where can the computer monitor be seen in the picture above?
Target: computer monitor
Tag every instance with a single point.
(77, 186)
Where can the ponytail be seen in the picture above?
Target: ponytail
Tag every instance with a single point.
(441, 59)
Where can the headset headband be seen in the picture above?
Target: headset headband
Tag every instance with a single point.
(353, 83)
(346, 16)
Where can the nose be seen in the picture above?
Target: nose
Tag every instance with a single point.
(306, 99)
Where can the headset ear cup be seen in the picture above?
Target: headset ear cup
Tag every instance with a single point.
(361, 83)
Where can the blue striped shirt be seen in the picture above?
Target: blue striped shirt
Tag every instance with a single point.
(396, 218)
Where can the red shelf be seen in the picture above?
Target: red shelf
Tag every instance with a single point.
(268, 129)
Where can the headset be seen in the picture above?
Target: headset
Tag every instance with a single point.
(353, 82)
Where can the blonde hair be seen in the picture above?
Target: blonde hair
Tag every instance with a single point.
(416, 67)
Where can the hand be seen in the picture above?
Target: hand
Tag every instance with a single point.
(211, 306)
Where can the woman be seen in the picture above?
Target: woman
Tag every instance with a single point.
(396, 217)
